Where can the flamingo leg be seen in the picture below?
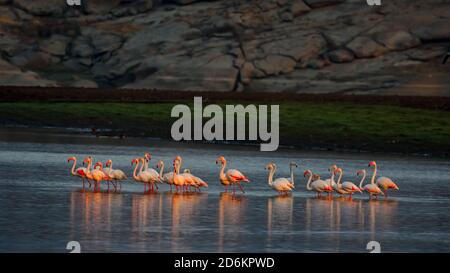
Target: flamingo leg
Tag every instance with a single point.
(240, 186)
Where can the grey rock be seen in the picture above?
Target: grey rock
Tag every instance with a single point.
(299, 7)
(366, 47)
(55, 45)
(397, 40)
(276, 64)
(341, 55)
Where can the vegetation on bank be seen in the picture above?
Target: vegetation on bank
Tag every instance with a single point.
(327, 125)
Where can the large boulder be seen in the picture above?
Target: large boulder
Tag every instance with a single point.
(397, 40)
(366, 47)
(341, 55)
(276, 64)
(55, 45)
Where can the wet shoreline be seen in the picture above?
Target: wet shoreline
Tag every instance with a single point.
(85, 136)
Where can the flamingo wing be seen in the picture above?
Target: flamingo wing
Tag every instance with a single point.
(81, 171)
(283, 184)
(235, 175)
(350, 187)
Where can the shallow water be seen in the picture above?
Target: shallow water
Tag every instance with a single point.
(43, 207)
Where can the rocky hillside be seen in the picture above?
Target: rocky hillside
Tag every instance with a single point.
(312, 46)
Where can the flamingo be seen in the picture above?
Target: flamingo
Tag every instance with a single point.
(189, 179)
(115, 174)
(153, 174)
(371, 188)
(231, 176)
(198, 182)
(142, 176)
(80, 172)
(330, 180)
(106, 176)
(346, 187)
(178, 180)
(96, 175)
(165, 177)
(317, 185)
(281, 185)
(384, 183)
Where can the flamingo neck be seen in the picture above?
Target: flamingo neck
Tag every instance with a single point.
(362, 180)
(271, 173)
(178, 166)
(161, 171)
(222, 171)
(339, 179)
(88, 168)
(110, 165)
(145, 166)
(374, 175)
(308, 185)
(73, 167)
(134, 172)
(332, 178)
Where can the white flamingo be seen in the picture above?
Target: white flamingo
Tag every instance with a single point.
(330, 180)
(165, 177)
(80, 171)
(231, 176)
(115, 174)
(371, 188)
(153, 174)
(317, 185)
(281, 185)
(384, 183)
(346, 187)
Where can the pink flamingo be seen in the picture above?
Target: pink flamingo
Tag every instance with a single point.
(371, 188)
(106, 177)
(317, 185)
(384, 183)
(80, 172)
(198, 182)
(346, 187)
(178, 180)
(95, 175)
(231, 176)
(142, 176)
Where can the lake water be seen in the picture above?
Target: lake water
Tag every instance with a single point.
(43, 206)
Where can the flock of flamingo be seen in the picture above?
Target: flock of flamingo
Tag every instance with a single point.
(187, 182)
